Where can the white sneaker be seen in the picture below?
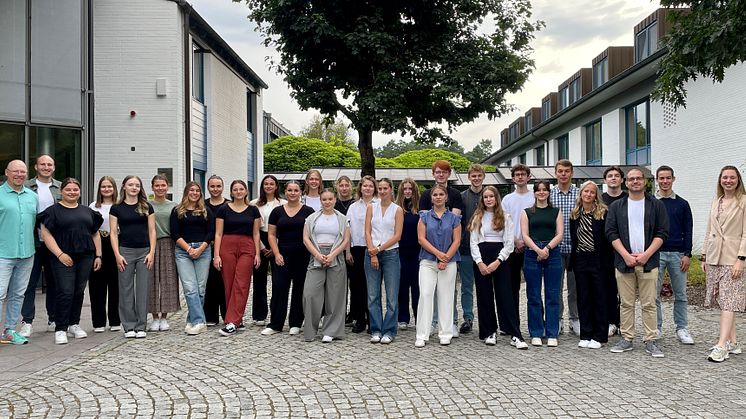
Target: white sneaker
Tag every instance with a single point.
(419, 343)
(684, 337)
(155, 325)
(26, 329)
(491, 340)
(445, 341)
(77, 332)
(375, 338)
(327, 339)
(294, 331)
(140, 334)
(552, 342)
(99, 329)
(594, 344)
(115, 328)
(455, 331)
(130, 334)
(613, 330)
(196, 329)
(164, 325)
(260, 322)
(386, 340)
(519, 344)
(536, 341)
(575, 327)
(269, 331)
(51, 326)
(583, 343)
(60, 337)
(403, 326)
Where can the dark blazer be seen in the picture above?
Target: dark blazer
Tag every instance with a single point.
(602, 249)
(617, 227)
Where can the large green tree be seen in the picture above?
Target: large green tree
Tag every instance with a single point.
(331, 130)
(407, 66)
(703, 41)
(396, 147)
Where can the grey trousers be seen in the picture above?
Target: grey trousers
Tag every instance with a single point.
(572, 291)
(134, 285)
(325, 289)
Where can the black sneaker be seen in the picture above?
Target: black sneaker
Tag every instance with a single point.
(349, 321)
(228, 330)
(241, 327)
(358, 327)
(465, 326)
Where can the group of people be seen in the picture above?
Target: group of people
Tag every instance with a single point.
(337, 251)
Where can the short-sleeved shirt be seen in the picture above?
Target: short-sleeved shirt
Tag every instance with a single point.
(454, 200)
(133, 226)
(240, 223)
(565, 202)
(439, 233)
(72, 227)
(104, 211)
(163, 217)
(193, 228)
(514, 203)
(608, 199)
(290, 229)
(17, 221)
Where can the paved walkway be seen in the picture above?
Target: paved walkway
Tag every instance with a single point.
(170, 374)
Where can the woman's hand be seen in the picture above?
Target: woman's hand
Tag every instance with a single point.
(443, 257)
(442, 266)
(543, 253)
(65, 259)
(217, 263)
(121, 263)
(737, 269)
(279, 260)
(374, 262)
(267, 253)
(97, 263)
(348, 258)
(492, 267)
(257, 261)
(483, 269)
(373, 251)
(150, 260)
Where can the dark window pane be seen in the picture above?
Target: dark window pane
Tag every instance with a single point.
(64, 147)
(11, 145)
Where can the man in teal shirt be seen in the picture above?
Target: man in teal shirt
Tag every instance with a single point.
(17, 220)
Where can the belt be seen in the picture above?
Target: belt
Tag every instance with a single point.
(103, 233)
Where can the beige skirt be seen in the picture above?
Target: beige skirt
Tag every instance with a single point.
(164, 280)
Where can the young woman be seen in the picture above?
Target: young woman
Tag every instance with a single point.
(723, 256)
(312, 190)
(132, 223)
(491, 242)
(104, 280)
(291, 261)
(344, 200)
(164, 285)
(215, 306)
(70, 232)
(193, 229)
(589, 259)
(326, 236)
(439, 234)
(542, 228)
(268, 200)
(408, 199)
(383, 225)
(237, 228)
(366, 195)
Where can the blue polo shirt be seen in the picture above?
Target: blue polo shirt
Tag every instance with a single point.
(439, 233)
(17, 221)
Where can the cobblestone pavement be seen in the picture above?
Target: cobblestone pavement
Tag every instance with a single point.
(169, 374)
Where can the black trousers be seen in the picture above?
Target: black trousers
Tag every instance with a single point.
(292, 272)
(358, 286)
(70, 289)
(104, 282)
(495, 293)
(591, 287)
(214, 306)
(42, 264)
(409, 281)
(515, 264)
(612, 295)
(259, 297)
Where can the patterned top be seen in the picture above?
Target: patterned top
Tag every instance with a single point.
(565, 202)
(585, 232)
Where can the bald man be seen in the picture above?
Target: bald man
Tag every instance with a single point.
(48, 190)
(17, 219)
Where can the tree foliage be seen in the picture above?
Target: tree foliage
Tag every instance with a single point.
(480, 151)
(406, 66)
(331, 130)
(703, 41)
(397, 147)
(426, 157)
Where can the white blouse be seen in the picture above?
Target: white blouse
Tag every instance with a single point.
(486, 234)
(356, 217)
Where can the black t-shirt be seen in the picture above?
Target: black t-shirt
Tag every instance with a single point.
(193, 228)
(290, 229)
(72, 227)
(133, 226)
(454, 200)
(214, 208)
(241, 223)
(608, 199)
(343, 206)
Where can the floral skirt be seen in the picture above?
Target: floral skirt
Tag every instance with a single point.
(164, 279)
(722, 289)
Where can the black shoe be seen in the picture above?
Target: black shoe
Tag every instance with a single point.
(358, 327)
(228, 330)
(349, 321)
(241, 327)
(465, 326)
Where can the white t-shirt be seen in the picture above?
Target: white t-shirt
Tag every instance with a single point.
(266, 209)
(514, 203)
(46, 199)
(326, 229)
(104, 211)
(313, 202)
(636, 217)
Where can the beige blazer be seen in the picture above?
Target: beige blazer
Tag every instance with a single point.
(725, 239)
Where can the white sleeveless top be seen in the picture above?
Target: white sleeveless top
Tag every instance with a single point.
(383, 225)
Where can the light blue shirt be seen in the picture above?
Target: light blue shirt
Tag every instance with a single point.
(17, 221)
(439, 233)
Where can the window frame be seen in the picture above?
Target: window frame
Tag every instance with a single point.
(593, 157)
(633, 154)
(601, 73)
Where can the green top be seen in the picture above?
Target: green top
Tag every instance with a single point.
(542, 223)
(17, 220)
(163, 218)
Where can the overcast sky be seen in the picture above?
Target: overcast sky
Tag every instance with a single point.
(576, 31)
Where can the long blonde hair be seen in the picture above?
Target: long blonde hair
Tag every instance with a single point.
(599, 208)
(739, 192)
(199, 209)
(498, 215)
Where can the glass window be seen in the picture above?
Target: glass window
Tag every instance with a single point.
(13, 60)
(522, 158)
(637, 121)
(514, 131)
(564, 98)
(199, 177)
(529, 121)
(646, 42)
(600, 73)
(11, 146)
(198, 73)
(60, 143)
(546, 109)
(593, 144)
(563, 147)
(575, 91)
(539, 156)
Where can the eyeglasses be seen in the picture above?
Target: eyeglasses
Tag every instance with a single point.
(520, 174)
(441, 172)
(18, 172)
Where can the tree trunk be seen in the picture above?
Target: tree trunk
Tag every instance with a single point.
(367, 158)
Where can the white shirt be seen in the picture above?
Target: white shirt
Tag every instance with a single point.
(266, 209)
(312, 201)
(356, 217)
(326, 229)
(636, 217)
(46, 199)
(383, 225)
(487, 234)
(104, 211)
(514, 203)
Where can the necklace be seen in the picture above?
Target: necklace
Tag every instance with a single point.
(345, 204)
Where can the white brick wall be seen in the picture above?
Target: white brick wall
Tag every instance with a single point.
(612, 137)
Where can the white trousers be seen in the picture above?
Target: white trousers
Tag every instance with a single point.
(443, 282)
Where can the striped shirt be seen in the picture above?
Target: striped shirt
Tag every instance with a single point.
(565, 202)
(585, 232)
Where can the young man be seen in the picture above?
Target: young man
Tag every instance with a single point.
(676, 253)
(613, 178)
(563, 196)
(470, 198)
(17, 219)
(637, 226)
(514, 203)
(48, 190)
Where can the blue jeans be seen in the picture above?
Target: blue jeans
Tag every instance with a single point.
(193, 274)
(42, 259)
(466, 272)
(543, 319)
(672, 262)
(390, 268)
(14, 276)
